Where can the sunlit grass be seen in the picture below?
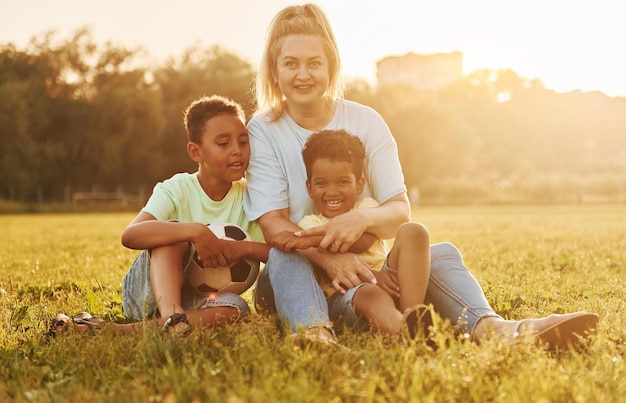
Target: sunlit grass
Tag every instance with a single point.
(531, 261)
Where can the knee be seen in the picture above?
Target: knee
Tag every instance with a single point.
(279, 260)
(366, 292)
(414, 231)
(370, 297)
(242, 307)
(377, 307)
(445, 249)
(233, 302)
(445, 252)
(175, 251)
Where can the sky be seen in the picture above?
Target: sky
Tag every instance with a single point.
(567, 44)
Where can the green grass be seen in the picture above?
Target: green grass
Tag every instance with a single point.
(531, 261)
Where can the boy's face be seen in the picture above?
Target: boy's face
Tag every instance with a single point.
(333, 187)
(224, 153)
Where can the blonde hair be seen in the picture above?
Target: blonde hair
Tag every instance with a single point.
(306, 19)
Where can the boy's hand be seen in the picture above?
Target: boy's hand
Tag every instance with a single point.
(388, 281)
(233, 251)
(287, 241)
(347, 270)
(209, 248)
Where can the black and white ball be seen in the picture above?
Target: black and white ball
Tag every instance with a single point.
(235, 279)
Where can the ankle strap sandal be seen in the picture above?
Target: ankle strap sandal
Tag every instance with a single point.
(177, 324)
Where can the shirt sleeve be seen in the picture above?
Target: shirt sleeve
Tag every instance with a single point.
(267, 188)
(382, 165)
(382, 169)
(161, 204)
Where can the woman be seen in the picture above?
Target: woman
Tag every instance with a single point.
(298, 90)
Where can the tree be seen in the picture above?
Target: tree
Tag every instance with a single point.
(180, 81)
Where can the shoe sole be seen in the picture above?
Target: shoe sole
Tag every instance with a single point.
(418, 320)
(570, 332)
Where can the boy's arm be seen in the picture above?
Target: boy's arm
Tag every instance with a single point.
(146, 232)
(362, 244)
(237, 250)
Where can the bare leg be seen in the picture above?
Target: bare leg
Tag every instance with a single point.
(410, 256)
(205, 318)
(378, 308)
(166, 275)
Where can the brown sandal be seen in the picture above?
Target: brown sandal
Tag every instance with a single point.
(61, 321)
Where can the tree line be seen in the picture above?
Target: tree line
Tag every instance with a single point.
(78, 116)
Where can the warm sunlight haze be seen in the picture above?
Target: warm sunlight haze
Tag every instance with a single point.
(567, 45)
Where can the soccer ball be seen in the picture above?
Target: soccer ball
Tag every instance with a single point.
(235, 279)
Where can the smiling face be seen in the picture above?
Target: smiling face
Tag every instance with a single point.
(333, 187)
(302, 70)
(223, 154)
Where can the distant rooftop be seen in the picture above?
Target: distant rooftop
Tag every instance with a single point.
(429, 71)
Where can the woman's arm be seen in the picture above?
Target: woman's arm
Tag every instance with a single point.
(343, 231)
(288, 241)
(346, 270)
(276, 221)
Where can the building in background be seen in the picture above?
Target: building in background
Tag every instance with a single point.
(425, 72)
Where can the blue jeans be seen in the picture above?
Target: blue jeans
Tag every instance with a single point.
(138, 299)
(287, 286)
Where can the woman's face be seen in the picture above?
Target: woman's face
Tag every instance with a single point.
(302, 70)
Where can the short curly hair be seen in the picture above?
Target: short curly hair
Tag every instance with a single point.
(205, 108)
(335, 145)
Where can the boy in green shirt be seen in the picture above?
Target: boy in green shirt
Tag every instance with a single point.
(173, 226)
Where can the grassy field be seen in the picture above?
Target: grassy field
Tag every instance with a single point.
(531, 261)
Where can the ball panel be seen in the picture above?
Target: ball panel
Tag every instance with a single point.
(236, 279)
(236, 233)
(240, 271)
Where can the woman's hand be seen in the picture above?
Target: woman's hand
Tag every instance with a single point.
(343, 231)
(340, 233)
(345, 270)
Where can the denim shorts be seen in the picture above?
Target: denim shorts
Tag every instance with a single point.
(138, 299)
(341, 310)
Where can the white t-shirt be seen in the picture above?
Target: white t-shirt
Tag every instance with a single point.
(182, 198)
(277, 176)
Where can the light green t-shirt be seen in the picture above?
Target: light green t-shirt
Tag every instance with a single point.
(181, 198)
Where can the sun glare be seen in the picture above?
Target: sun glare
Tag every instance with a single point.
(567, 45)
